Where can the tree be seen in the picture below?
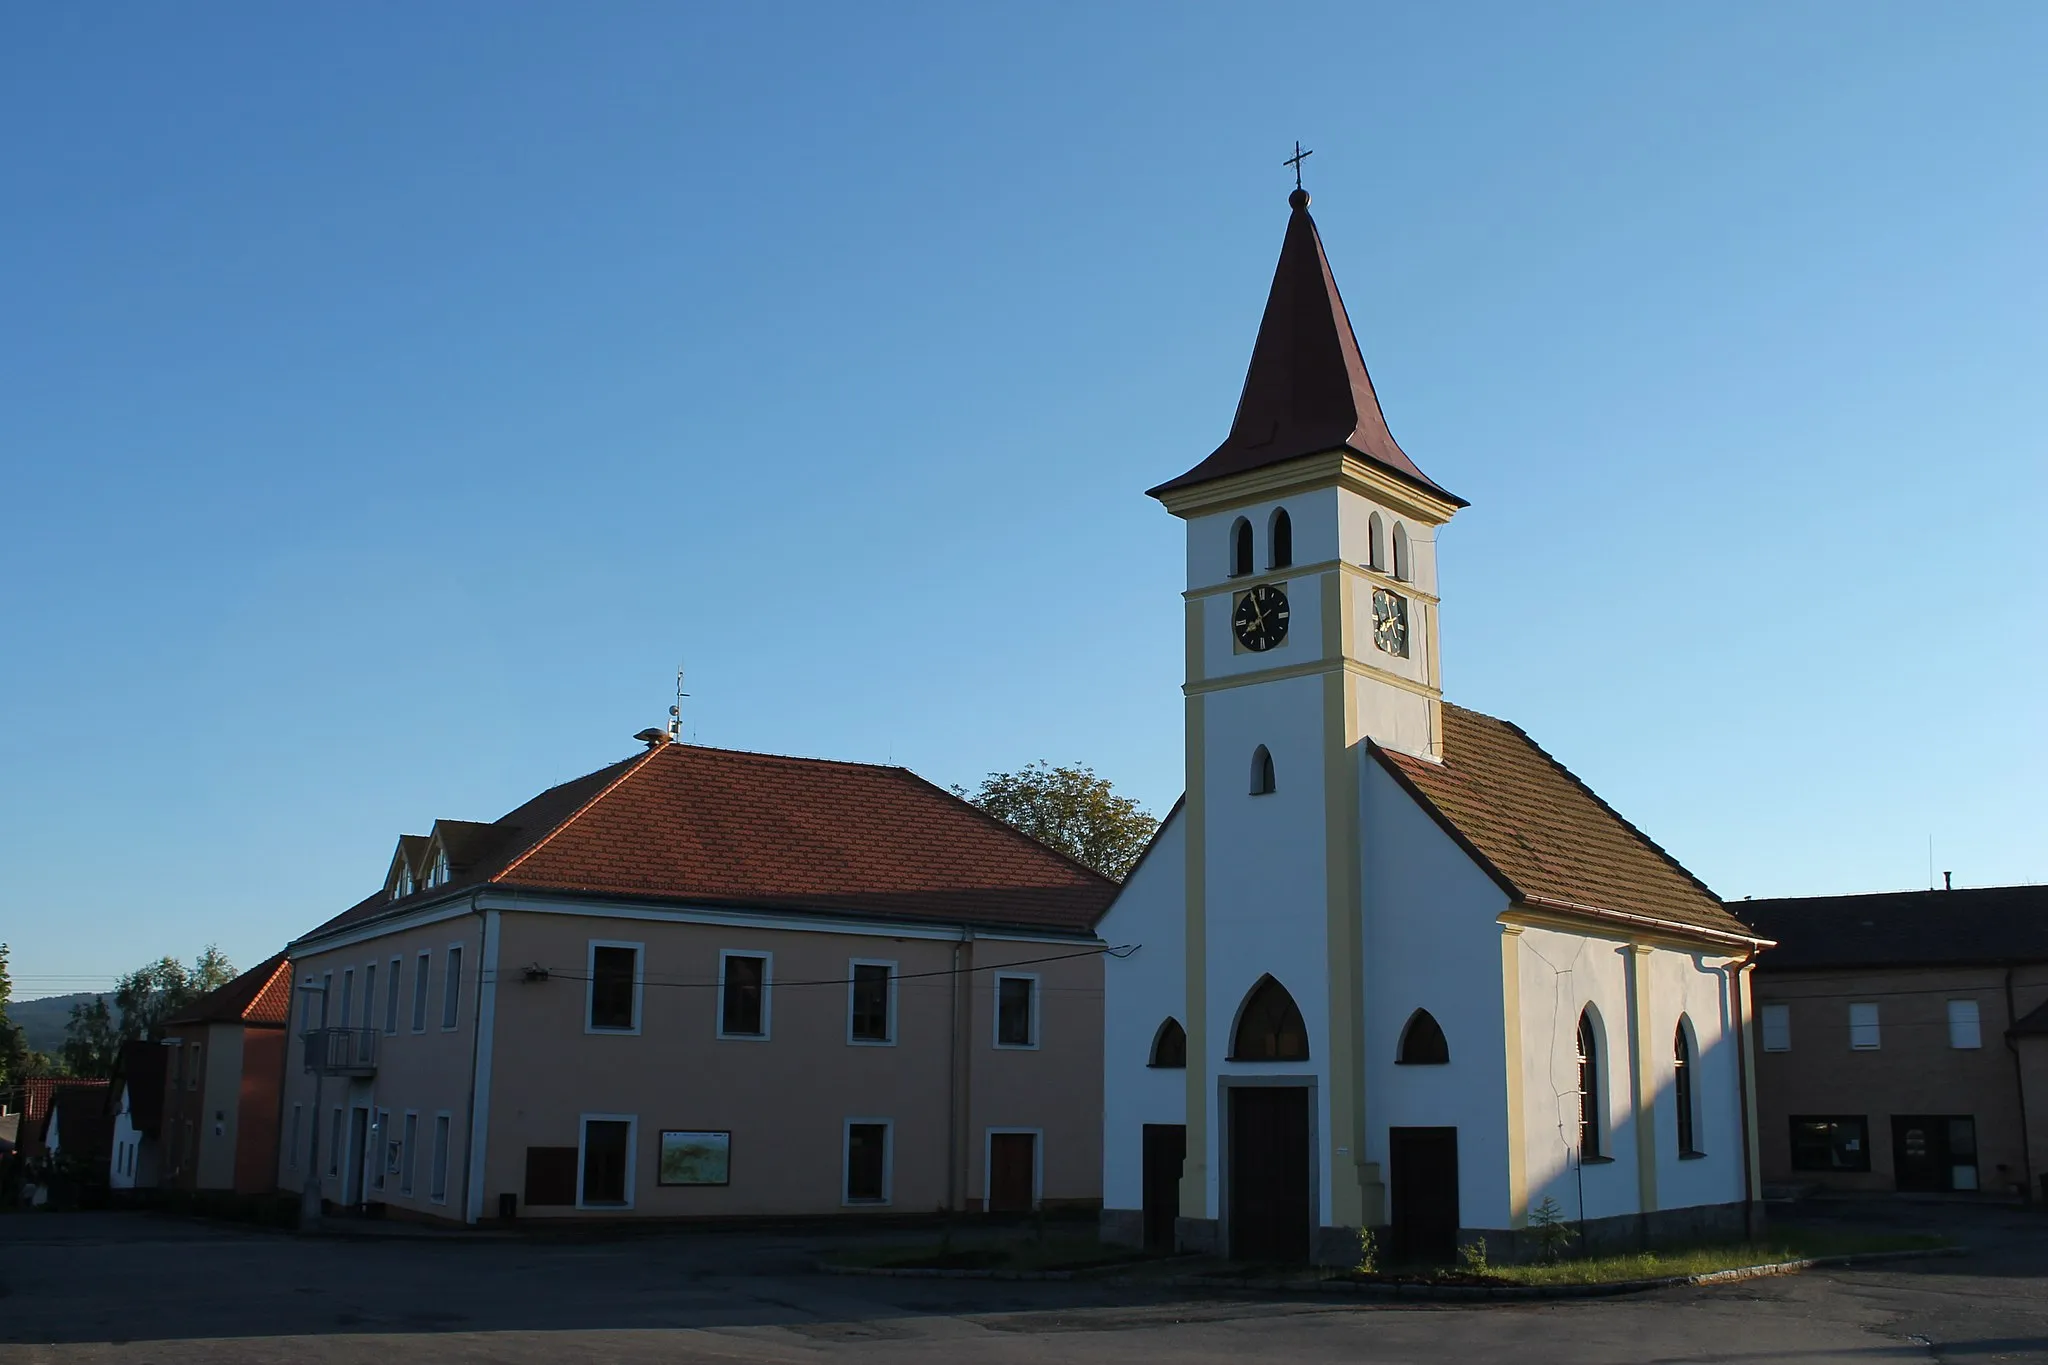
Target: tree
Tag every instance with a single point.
(149, 995)
(1070, 809)
(13, 1047)
(92, 1043)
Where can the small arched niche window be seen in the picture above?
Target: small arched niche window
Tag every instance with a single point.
(1170, 1046)
(1240, 548)
(1376, 543)
(1402, 566)
(1262, 771)
(1589, 1086)
(1269, 1027)
(1684, 1059)
(1422, 1042)
(1280, 539)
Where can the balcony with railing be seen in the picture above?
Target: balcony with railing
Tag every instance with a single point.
(341, 1051)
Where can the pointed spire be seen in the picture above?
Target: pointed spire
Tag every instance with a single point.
(1306, 391)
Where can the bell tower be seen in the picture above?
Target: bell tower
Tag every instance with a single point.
(1311, 625)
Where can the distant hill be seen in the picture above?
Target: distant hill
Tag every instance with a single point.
(42, 1021)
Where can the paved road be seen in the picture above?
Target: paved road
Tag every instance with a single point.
(130, 1288)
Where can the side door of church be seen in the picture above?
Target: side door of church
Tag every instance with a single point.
(1425, 1192)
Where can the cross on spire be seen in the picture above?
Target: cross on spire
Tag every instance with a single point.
(1295, 161)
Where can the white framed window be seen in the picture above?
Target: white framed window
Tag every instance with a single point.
(1016, 1021)
(370, 996)
(871, 1002)
(1777, 1020)
(292, 1149)
(326, 996)
(391, 996)
(451, 988)
(380, 1132)
(407, 1146)
(1965, 1029)
(605, 1148)
(746, 982)
(437, 1188)
(422, 977)
(613, 986)
(334, 1147)
(348, 996)
(870, 1161)
(1863, 1033)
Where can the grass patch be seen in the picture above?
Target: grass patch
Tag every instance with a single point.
(1704, 1260)
(1057, 1251)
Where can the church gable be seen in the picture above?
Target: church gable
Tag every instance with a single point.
(1542, 835)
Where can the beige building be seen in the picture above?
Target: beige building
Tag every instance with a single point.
(701, 983)
(1903, 1041)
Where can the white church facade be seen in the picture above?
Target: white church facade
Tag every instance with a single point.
(1395, 968)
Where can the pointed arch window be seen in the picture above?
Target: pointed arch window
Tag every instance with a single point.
(1684, 1060)
(1280, 539)
(1422, 1042)
(1402, 567)
(1262, 771)
(1240, 548)
(1170, 1046)
(1589, 1087)
(1376, 543)
(1269, 1026)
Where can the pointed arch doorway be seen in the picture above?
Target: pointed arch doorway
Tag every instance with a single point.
(1270, 1160)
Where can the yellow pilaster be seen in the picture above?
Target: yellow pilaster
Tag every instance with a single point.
(1511, 1020)
(1355, 1189)
(1642, 1054)
(1194, 1180)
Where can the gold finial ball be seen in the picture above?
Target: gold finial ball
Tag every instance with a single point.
(1298, 200)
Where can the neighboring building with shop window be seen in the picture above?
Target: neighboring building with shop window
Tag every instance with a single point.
(1903, 1040)
(702, 983)
(223, 1060)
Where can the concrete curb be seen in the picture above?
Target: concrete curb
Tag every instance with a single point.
(1453, 1293)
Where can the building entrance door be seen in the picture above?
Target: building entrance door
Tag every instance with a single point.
(1166, 1152)
(1425, 1192)
(1270, 1189)
(1011, 1157)
(1934, 1151)
(352, 1159)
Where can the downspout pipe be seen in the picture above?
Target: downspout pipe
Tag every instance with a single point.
(2019, 1088)
(476, 1037)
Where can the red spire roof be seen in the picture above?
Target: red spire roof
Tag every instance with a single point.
(1306, 391)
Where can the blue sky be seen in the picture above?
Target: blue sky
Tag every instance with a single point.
(392, 395)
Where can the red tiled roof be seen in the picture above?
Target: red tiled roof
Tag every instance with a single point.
(716, 826)
(1306, 390)
(1543, 835)
(261, 996)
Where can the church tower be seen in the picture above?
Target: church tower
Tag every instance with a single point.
(1311, 626)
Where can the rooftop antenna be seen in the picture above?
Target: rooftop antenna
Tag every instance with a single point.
(675, 713)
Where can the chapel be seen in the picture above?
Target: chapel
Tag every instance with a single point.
(1396, 969)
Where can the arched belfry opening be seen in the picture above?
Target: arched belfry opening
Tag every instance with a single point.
(1170, 1046)
(1423, 1042)
(1269, 1026)
(1240, 548)
(1280, 539)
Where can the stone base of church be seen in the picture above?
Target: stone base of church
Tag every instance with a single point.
(1122, 1227)
(1628, 1232)
(1337, 1247)
(1198, 1236)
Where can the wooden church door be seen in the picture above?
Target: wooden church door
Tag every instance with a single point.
(1425, 1192)
(1270, 1189)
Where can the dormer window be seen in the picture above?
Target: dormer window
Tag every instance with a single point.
(438, 874)
(401, 886)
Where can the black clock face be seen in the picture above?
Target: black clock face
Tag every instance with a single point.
(1260, 620)
(1390, 622)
